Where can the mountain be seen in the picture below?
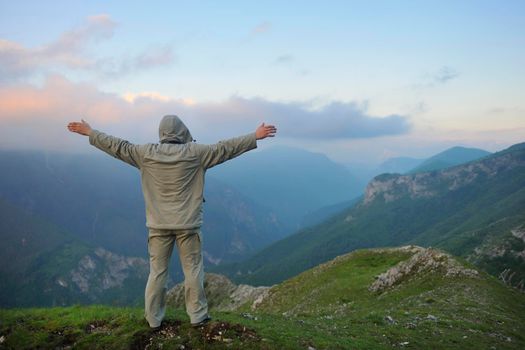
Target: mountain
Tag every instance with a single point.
(99, 201)
(464, 209)
(448, 158)
(291, 182)
(402, 165)
(42, 265)
(399, 165)
(407, 297)
(317, 216)
(234, 225)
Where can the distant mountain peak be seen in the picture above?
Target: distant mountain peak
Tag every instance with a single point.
(391, 187)
(450, 157)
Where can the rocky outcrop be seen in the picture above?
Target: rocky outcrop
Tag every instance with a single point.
(390, 187)
(424, 260)
(222, 294)
(103, 270)
(519, 232)
(505, 255)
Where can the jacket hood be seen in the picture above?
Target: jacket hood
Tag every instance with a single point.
(173, 130)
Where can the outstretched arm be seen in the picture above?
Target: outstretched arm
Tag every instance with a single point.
(224, 150)
(118, 148)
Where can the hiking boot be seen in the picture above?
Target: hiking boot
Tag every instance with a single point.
(158, 328)
(201, 323)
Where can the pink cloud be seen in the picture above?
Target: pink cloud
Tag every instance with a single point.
(36, 117)
(41, 113)
(71, 51)
(262, 27)
(96, 28)
(67, 51)
(54, 101)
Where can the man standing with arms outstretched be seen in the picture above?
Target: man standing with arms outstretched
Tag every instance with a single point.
(172, 176)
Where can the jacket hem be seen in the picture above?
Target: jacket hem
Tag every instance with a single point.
(173, 227)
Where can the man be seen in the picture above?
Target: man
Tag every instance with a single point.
(172, 175)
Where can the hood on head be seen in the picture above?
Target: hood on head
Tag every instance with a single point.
(173, 130)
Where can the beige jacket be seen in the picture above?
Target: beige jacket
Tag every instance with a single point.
(172, 172)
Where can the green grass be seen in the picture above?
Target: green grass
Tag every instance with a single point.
(328, 307)
(88, 327)
(465, 313)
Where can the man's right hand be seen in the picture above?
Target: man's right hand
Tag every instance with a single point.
(81, 128)
(264, 131)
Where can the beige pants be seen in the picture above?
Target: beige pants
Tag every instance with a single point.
(160, 247)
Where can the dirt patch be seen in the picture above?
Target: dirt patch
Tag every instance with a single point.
(63, 338)
(179, 337)
(99, 327)
(226, 332)
(147, 339)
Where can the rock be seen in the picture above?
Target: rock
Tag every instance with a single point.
(249, 316)
(432, 318)
(263, 293)
(390, 187)
(424, 260)
(245, 293)
(390, 320)
(222, 294)
(103, 270)
(411, 325)
(519, 232)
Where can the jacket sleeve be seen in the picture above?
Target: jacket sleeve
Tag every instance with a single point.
(222, 151)
(118, 148)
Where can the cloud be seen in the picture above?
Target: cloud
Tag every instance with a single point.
(153, 95)
(337, 120)
(440, 77)
(284, 59)
(445, 74)
(70, 51)
(96, 28)
(262, 28)
(35, 117)
(154, 57)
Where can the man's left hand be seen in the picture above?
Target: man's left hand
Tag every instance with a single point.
(81, 128)
(264, 131)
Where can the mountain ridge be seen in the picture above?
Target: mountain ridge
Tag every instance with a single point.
(98, 199)
(450, 157)
(420, 208)
(292, 182)
(43, 265)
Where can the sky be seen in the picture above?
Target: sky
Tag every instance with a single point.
(360, 81)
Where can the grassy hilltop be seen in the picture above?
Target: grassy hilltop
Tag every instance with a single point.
(409, 298)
